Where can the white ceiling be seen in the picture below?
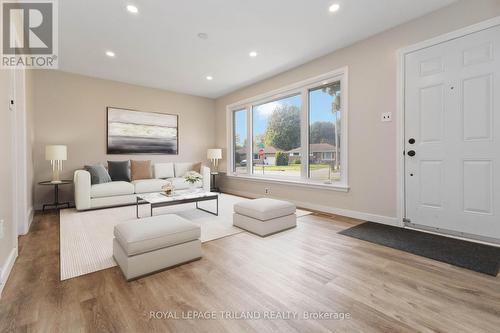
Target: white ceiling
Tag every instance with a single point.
(159, 47)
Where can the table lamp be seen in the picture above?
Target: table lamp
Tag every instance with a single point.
(56, 154)
(214, 155)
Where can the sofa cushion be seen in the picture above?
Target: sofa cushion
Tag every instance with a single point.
(182, 168)
(163, 170)
(156, 232)
(119, 170)
(140, 169)
(98, 174)
(264, 209)
(149, 185)
(111, 189)
(196, 167)
(181, 184)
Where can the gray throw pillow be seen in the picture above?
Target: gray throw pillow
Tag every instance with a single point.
(119, 170)
(98, 174)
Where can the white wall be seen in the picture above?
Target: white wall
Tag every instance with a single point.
(23, 149)
(16, 166)
(30, 139)
(8, 243)
(372, 90)
(15, 197)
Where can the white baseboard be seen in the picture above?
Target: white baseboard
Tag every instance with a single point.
(31, 214)
(25, 226)
(332, 210)
(7, 268)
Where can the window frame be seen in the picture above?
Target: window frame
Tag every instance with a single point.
(301, 88)
(233, 143)
(254, 105)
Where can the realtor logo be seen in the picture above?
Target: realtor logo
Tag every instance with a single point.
(29, 34)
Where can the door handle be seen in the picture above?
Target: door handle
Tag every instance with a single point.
(411, 153)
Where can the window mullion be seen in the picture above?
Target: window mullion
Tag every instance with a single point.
(249, 140)
(232, 163)
(304, 134)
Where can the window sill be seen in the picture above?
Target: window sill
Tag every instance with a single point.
(301, 183)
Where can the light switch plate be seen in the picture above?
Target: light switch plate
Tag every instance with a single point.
(1, 229)
(386, 116)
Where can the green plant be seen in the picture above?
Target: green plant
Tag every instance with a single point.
(281, 158)
(283, 128)
(192, 177)
(297, 161)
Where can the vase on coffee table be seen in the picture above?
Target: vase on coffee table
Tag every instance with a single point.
(192, 177)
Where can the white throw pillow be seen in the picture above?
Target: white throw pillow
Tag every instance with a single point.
(182, 168)
(164, 170)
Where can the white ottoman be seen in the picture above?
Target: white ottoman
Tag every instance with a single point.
(264, 216)
(154, 243)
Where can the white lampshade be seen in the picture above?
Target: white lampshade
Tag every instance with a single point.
(56, 153)
(214, 154)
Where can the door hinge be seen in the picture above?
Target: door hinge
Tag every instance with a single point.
(406, 220)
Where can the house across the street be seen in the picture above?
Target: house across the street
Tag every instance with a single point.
(268, 155)
(320, 152)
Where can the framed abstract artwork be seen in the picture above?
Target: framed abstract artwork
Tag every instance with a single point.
(137, 132)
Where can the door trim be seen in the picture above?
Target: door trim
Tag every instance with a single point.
(454, 234)
(400, 104)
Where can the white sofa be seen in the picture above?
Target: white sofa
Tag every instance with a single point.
(117, 193)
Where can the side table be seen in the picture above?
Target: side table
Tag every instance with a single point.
(56, 185)
(213, 184)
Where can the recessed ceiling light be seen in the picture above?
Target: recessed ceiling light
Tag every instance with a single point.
(210, 78)
(110, 54)
(132, 9)
(253, 54)
(333, 8)
(202, 35)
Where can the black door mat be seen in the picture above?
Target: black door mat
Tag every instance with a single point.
(477, 257)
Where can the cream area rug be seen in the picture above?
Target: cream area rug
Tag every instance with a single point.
(87, 237)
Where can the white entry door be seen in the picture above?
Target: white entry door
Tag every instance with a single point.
(452, 136)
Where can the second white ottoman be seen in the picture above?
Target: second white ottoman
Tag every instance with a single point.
(264, 216)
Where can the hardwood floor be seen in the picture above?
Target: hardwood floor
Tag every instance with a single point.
(307, 269)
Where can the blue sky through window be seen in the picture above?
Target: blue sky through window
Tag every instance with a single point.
(261, 113)
(320, 106)
(240, 122)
